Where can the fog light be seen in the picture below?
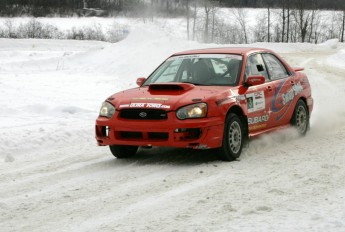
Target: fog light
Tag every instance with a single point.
(105, 131)
(187, 133)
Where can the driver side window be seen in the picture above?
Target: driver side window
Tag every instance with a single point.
(255, 66)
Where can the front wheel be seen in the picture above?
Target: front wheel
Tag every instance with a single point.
(123, 151)
(300, 117)
(233, 138)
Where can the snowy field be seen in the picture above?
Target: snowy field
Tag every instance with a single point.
(53, 177)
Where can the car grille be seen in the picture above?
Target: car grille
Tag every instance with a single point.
(143, 114)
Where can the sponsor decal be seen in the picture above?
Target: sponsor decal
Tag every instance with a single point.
(274, 102)
(258, 119)
(290, 95)
(185, 57)
(140, 105)
(155, 105)
(193, 56)
(146, 105)
(286, 98)
(255, 101)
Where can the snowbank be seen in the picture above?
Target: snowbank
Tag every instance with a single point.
(337, 60)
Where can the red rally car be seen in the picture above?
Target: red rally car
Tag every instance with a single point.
(208, 98)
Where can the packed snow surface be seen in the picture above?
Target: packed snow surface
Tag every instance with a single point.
(53, 177)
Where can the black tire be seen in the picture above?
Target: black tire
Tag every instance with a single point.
(300, 118)
(121, 151)
(233, 138)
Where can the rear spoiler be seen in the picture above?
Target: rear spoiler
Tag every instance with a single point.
(298, 69)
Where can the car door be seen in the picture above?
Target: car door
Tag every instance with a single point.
(259, 98)
(282, 82)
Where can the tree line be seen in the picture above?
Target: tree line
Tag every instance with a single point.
(282, 20)
(292, 21)
(41, 8)
(310, 4)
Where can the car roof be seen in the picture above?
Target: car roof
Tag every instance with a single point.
(224, 50)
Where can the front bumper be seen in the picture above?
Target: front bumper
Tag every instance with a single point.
(191, 133)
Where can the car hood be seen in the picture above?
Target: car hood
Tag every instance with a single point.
(169, 96)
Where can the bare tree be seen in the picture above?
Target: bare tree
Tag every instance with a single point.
(343, 28)
(314, 14)
(268, 24)
(207, 8)
(214, 19)
(286, 6)
(315, 25)
(187, 9)
(305, 18)
(269, 3)
(313, 17)
(152, 9)
(288, 22)
(194, 19)
(341, 5)
(10, 28)
(302, 18)
(283, 23)
(241, 17)
(260, 28)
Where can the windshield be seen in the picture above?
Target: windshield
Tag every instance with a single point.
(199, 69)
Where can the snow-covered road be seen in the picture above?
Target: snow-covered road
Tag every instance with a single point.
(53, 177)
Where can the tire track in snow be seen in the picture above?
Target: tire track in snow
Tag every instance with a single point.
(144, 204)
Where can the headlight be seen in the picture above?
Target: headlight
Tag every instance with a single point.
(107, 110)
(198, 110)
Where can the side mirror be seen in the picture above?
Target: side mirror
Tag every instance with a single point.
(255, 80)
(140, 81)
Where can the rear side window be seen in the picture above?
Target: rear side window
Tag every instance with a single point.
(275, 68)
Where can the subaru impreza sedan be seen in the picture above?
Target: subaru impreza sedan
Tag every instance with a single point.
(215, 98)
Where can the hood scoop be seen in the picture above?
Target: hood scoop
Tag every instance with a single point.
(171, 86)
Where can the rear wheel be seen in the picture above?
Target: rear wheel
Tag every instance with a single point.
(233, 138)
(123, 151)
(300, 117)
